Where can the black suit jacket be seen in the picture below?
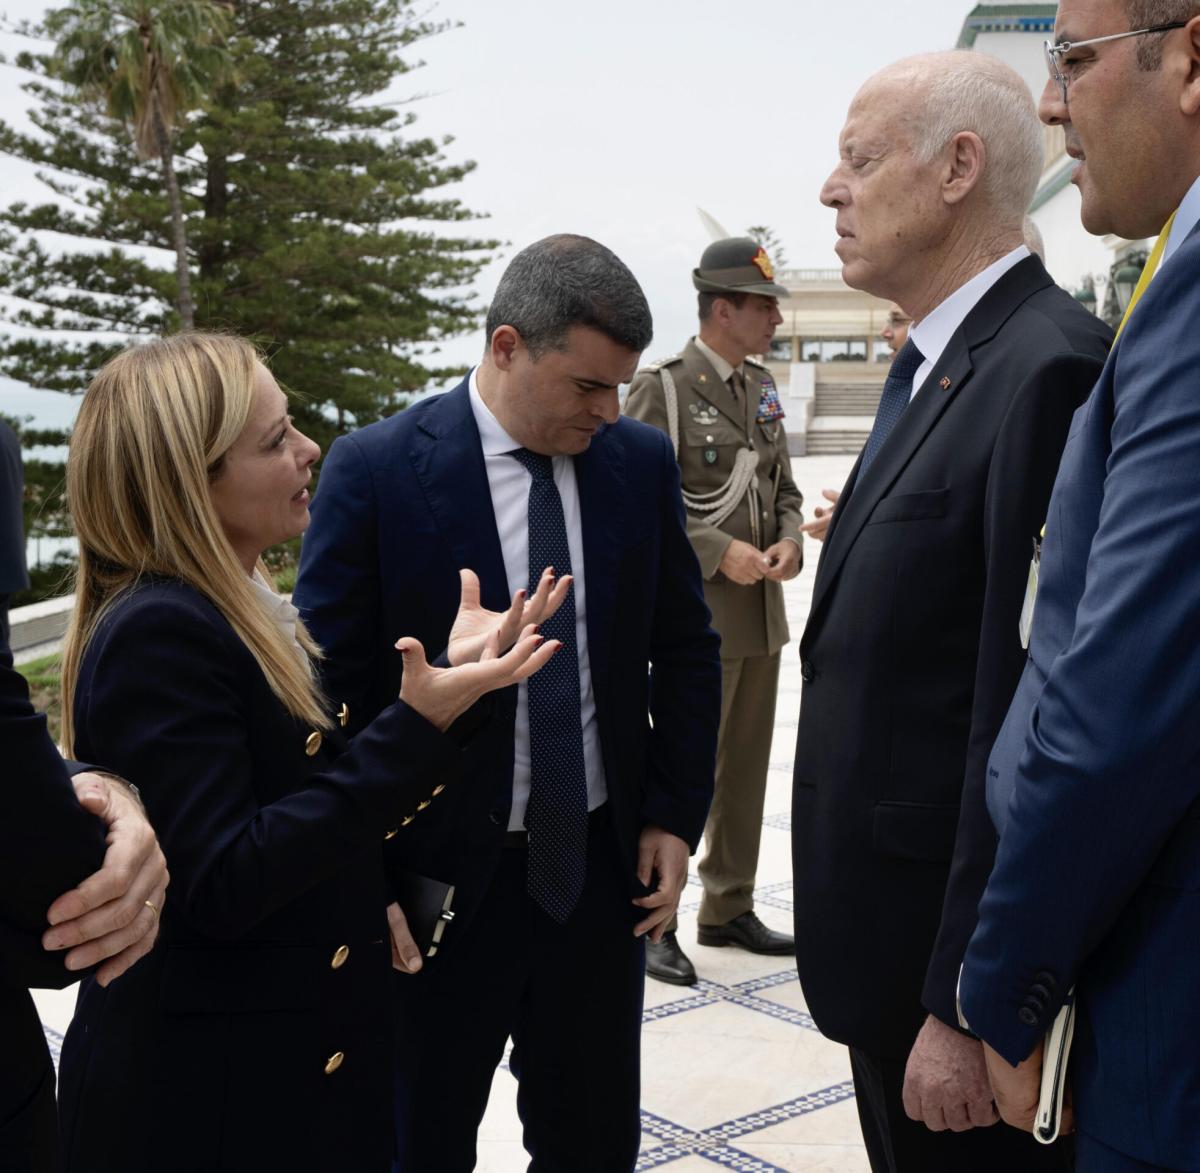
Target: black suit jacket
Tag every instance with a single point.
(403, 504)
(210, 1053)
(48, 843)
(911, 656)
(12, 526)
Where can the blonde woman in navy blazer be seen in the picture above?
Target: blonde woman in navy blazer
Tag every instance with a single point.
(256, 1035)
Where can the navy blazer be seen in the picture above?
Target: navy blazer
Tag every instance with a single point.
(1095, 779)
(13, 576)
(48, 844)
(404, 504)
(212, 1052)
(911, 655)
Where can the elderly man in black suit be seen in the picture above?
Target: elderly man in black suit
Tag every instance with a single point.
(912, 649)
(13, 576)
(66, 902)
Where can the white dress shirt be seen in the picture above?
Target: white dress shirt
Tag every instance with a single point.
(932, 334)
(1185, 221)
(509, 483)
(282, 612)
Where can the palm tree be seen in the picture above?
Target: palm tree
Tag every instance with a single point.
(149, 63)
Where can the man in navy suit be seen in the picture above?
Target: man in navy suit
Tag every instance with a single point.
(571, 842)
(1094, 781)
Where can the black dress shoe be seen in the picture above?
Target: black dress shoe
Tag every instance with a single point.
(666, 962)
(749, 933)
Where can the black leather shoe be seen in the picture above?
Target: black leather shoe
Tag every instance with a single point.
(749, 933)
(666, 962)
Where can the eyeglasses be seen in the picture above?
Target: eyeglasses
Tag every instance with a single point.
(1054, 53)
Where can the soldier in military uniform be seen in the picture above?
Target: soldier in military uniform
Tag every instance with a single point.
(722, 411)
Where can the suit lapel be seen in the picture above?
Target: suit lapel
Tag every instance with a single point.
(951, 371)
(918, 420)
(600, 480)
(448, 461)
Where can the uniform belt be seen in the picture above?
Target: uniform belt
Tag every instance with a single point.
(519, 840)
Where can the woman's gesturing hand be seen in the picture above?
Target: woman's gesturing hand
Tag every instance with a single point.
(441, 695)
(474, 623)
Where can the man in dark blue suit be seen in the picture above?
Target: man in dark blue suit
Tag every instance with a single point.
(1094, 781)
(52, 838)
(13, 576)
(571, 844)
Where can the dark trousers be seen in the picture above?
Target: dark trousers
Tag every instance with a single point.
(5, 630)
(1093, 1157)
(569, 995)
(896, 1144)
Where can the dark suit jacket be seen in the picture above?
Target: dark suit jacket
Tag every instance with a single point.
(12, 525)
(1095, 778)
(403, 504)
(48, 843)
(211, 1052)
(910, 658)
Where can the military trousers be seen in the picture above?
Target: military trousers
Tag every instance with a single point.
(749, 686)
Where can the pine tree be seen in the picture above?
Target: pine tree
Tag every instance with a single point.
(315, 223)
(148, 63)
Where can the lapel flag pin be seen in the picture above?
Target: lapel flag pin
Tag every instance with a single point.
(703, 378)
(945, 383)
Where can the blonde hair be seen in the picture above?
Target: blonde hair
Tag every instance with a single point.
(151, 436)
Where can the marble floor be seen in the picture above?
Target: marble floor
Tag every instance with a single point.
(735, 1075)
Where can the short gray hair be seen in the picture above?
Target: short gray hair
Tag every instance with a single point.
(1145, 14)
(961, 90)
(564, 281)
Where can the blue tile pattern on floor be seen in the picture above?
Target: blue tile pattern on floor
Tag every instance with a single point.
(777, 895)
(713, 1143)
(744, 994)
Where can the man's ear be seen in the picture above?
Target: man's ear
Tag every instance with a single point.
(505, 346)
(1187, 55)
(965, 158)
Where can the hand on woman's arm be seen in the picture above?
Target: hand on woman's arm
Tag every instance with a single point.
(112, 916)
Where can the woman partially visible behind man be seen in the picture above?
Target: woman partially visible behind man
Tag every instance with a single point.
(256, 1035)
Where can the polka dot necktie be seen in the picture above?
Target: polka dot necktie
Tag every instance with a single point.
(556, 818)
(897, 391)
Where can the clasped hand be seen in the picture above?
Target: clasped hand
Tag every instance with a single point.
(112, 917)
(745, 564)
(487, 650)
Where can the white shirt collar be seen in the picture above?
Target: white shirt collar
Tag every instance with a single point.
(932, 334)
(492, 436)
(1185, 220)
(284, 614)
(721, 365)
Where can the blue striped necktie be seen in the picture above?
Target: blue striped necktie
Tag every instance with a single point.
(897, 391)
(556, 818)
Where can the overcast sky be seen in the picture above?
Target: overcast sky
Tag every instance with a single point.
(618, 119)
